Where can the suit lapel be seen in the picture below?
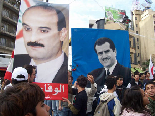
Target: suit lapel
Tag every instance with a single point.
(116, 69)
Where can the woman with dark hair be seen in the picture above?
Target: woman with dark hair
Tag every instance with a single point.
(134, 103)
(23, 99)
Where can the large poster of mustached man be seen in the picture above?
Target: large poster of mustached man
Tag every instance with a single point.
(100, 53)
(42, 41)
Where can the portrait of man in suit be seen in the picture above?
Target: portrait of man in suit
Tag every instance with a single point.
(106, 52)
(44, 30)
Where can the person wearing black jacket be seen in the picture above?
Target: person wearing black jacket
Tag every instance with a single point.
(79, 106)
(120, 89)
(135, 81)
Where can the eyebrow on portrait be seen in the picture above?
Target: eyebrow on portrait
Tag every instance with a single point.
(45, 28)
(106, 51)
(24, 24)
(100, 53)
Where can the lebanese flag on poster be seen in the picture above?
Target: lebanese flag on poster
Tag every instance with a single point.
(8, 73)
(151, 68)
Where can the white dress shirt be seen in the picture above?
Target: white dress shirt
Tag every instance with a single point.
(47, 71)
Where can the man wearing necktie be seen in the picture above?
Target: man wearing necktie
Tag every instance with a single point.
(106, 51)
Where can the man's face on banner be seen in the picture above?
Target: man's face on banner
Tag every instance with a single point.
(41, 35)
(106, 55)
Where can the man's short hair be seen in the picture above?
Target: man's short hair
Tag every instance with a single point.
(119, 76)
(136, 73)
(149, 82)
(102, 40)
(46, 6)
(141, 74)
(29, 69)
(110, 82)
(20, 99)
(146, 72)
(82, 81)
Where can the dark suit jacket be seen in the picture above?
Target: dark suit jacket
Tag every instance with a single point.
(61, 76)
(134, 84)
(100, 75)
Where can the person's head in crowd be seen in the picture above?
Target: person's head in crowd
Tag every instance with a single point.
(81, 81)
(142, 76)
(150, 89)
(69, 73)
(31, 70)
(147, 74)
(106, 51)
(119, 80)
(136, 76)
(70, 80)
(111, 83)
(19, 75)
(145, 98)
(44, 30)
(134, 100)
(23, 99)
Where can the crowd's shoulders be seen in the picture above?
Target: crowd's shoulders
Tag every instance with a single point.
(132, 113)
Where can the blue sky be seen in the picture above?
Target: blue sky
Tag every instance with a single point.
(81, 11)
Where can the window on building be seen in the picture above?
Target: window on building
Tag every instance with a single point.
(154, 22)
(135, 18)
(136, 25)
(136, 32)
(138, 55)
(138, 62)
(130, 43)
(137, 39)
(137, 47)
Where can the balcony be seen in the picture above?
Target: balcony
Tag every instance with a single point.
(7, 48)
(7, 19)
(14, 7)
(6, 44)
(5, 33)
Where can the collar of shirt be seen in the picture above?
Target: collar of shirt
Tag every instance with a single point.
(47, 71)
(111, 68)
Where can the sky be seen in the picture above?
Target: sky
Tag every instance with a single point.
(81, 11)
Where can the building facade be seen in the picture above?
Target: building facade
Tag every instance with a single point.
(147, 34)
(9, 10)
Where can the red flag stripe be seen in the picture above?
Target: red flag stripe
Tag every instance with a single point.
(8, 75)
(20, 34)
(27, 3)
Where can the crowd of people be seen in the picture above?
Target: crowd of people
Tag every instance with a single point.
(21, 97)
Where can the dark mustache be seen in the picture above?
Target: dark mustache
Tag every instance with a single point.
(35, 44)
(105, 59)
